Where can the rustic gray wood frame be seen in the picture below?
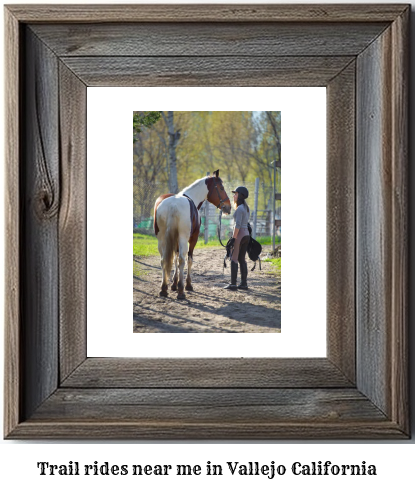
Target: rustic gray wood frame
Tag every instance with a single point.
(359, 391)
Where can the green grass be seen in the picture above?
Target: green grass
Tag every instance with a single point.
(143, 245)
(276, 263)
(267, 240)
(212, 242)
(146, 245)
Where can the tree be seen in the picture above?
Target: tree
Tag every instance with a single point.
(168, 156)
(148, 171)
(266, 147)
(232, 141)
(174, 137)
(275, 121)
(144, 119)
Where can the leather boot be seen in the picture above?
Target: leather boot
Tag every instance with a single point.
(234, 275)
(244, 276)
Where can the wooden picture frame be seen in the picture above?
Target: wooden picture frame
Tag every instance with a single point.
(360, 53)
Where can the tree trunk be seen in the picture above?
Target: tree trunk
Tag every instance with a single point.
(277, 137)
(174, 136)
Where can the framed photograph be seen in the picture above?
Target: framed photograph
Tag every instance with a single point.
(54, 388)
(241, 142)
(183, 209)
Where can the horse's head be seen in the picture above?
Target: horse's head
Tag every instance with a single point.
(216, 193)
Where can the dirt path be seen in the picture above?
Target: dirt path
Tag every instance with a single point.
(208, 308)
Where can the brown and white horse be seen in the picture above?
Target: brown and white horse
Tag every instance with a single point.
(177, 224)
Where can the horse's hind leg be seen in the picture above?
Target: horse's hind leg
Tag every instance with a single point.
(182, 260)
(189, 286)
(163, 289)
(176, 272)
(192, 243)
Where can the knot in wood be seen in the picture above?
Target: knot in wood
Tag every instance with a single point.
(46, 205)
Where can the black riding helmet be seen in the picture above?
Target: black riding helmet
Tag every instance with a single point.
(242, 191)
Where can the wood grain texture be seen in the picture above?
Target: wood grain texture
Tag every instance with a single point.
(233, 406)
(72, 222)
(206, 13)
(13, 383)
(363, 430)
(198, 39)
(40, 205)
(373, 430)
(400, 232)
(199, 398)
(247, 427)
(341, 237)
(373, 222)
(382, 224)
(206, 373)
(207, 71)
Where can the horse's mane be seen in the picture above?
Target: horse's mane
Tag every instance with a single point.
(195, 183)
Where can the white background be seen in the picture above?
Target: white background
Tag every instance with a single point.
(304, 212)
(394, 460)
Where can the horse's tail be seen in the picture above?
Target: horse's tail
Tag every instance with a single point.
(156, 227)
(171, 238)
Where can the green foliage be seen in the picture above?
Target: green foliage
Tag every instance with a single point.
(144, 119)
(241, 144)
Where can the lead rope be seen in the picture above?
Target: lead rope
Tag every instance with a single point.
(219, 231)
(220, 227)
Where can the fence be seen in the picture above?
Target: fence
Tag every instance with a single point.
(145, 194)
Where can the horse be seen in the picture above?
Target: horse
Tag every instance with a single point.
(177, 225)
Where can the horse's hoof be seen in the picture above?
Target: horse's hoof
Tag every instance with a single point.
(181, 296)
(189, 288)
(164, 294)
(173, 287)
